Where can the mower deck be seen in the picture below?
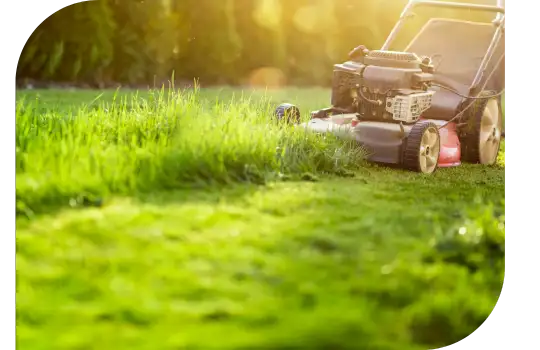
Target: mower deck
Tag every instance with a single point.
(384, 142)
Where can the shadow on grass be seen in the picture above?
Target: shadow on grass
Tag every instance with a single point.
(334, 264)
(353, 251)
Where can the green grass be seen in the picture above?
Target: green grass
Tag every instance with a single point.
(161, 141)
(174, 243)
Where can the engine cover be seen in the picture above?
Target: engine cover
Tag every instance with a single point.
(395, 80)
(393, 59)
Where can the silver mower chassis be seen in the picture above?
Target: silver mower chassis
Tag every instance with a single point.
(383, 141)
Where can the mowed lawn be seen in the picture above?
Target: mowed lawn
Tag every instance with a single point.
(312, 257)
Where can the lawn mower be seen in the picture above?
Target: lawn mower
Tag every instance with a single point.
(432, 105)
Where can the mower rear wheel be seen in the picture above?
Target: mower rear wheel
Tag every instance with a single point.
(288, 113)
(481, 136)
(422, 148)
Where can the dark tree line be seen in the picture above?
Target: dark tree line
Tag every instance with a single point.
(217, 42)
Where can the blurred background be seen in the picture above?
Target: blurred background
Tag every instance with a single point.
(271, 43)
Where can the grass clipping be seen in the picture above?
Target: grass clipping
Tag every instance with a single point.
(171, 139)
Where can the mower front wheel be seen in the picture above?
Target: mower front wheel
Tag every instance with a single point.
(288, 112)
(422, 148)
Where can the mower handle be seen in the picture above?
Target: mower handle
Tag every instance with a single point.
(498, 9)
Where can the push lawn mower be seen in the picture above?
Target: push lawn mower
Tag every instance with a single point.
(434, 104)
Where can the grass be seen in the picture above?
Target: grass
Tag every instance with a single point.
(167, 240)
(159, 142)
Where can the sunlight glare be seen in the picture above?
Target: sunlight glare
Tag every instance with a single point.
(307, 18)
(270, 77)
(268, 14)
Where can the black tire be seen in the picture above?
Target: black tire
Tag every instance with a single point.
(413, 147)
(470, 133)
(288, 113)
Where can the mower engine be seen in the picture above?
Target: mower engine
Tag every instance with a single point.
(383, 86)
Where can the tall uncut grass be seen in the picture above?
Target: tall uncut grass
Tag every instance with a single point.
(170, 139)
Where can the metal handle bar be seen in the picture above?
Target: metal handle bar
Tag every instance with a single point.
(459, 5)
(499, 10)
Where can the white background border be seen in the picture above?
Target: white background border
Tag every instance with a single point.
(514, 322)
(19, 19)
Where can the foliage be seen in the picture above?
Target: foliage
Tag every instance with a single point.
(225, 42)
(57, 50)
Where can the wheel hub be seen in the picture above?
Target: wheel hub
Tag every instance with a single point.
(495, 134)
(429, 150)
(490, 133)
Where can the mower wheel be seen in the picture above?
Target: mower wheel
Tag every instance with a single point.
(481, 136)
(288, 113)
(422, 148)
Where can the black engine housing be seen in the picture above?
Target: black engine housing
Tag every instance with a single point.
(377, 76)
